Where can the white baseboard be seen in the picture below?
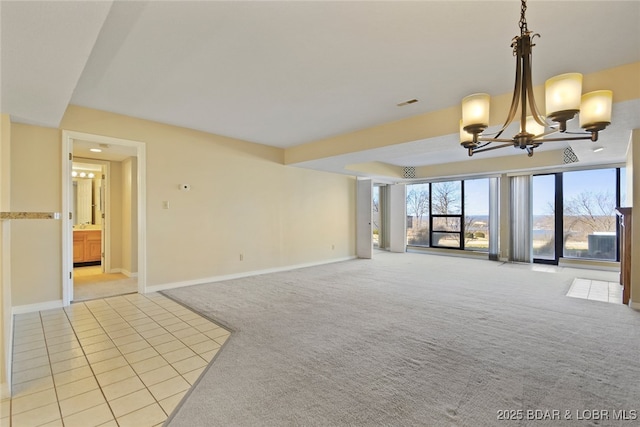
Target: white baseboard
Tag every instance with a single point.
(634, 305)
(123, 271)
(41, 306)
(174, 285)
(612, 266)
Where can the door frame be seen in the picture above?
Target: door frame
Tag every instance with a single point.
(105, 167)
(67, 224)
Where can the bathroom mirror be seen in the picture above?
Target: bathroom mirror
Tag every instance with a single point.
(87, 194)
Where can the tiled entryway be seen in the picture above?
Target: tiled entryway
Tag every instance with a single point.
(596, 290)
(120, 361)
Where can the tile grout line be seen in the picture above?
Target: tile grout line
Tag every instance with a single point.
(46, 346)
(133, 305)
(116, 308)
(88, 362)
(146, 341)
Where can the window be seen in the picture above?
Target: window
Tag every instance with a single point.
(418, 214)
(544, 214)
(446, 214)
(589, 220)
(450, 214)
(376, 219)
(476, 214)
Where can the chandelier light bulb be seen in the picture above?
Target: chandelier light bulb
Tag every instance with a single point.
(533, 127)
(562, 93)
(596, 109)
(475, 110)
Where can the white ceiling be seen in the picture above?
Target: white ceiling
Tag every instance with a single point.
(291, 72)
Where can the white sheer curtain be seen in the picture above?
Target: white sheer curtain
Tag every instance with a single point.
(494, 218)
(521, 219)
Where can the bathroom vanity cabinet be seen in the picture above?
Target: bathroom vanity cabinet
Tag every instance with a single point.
(87, 246)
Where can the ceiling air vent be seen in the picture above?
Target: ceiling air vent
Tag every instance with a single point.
(411, 101)
(570, 156)
(409, 172)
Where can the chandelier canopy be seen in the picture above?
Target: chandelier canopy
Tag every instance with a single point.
(563, 101)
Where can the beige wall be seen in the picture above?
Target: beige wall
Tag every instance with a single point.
(36, 258)
(242, 201)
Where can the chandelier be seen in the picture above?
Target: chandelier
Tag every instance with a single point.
(563, 101)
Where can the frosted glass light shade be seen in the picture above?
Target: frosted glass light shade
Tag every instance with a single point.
(464, 135)
(533, 127)
(596, 109)
(563, 92)
(475, 110)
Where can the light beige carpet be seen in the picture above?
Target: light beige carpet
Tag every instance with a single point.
(413, 340)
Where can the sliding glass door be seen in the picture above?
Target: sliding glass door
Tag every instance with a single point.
(544, 217)
(589, 222)
(574, 215)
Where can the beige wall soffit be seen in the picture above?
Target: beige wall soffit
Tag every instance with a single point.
(622, 80)
(398, 132)
(487, 165)
(376, 169)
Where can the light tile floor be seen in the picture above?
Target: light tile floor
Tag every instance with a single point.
(597, 290)
(119, 361)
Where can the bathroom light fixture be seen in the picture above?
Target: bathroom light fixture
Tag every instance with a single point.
(563, 102)
(95, 150)
(82, 174)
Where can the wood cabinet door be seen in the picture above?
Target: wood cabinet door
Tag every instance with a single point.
(78, 249)
(94, 246)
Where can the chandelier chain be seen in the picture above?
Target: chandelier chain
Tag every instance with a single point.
(523, 20)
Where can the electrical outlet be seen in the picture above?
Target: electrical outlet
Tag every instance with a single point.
(241, 257)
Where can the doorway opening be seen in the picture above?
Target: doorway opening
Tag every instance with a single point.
(103, 239)
(93, 274)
